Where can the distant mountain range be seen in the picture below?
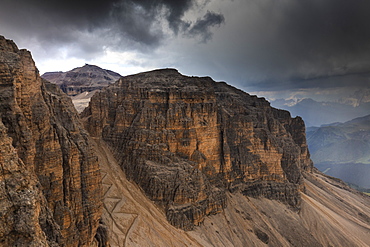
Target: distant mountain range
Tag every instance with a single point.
(81, 83)
(316, 113)
(343, 150)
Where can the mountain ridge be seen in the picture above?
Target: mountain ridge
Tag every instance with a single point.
(342, 150)
(317, 113)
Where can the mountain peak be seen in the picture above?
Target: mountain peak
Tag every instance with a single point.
(159, 72)
(165, 70)
(86, 78)
(8, 45)
(88, 67)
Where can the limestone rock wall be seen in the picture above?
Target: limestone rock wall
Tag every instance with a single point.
(187, 140)
(46, 146)
(21, 201)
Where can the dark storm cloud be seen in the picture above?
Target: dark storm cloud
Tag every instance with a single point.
(138, 18)
(176, 11)
(263, 44)
(356, 80)
(203, 25)
(289, 43)
(319, 38)
(135, 23)
(334, 33)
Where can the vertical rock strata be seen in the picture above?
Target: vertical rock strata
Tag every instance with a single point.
(50, 184)
(186, 140)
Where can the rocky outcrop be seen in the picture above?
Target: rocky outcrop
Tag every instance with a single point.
(188, 140)
(50, 183)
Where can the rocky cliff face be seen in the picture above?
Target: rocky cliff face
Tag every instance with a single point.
(188, 140)
(50, 184)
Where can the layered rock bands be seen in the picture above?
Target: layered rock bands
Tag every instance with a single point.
(188, 140)
(50, 184)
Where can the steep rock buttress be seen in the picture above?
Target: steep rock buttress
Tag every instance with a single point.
(50, 183)
(188, 140)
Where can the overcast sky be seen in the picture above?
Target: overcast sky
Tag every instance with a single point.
(275, 48)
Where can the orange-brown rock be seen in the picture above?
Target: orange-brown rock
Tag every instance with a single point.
(187, 140)
(50, 179)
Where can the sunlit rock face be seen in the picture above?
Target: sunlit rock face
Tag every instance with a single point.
(187, 140)
(50, 184)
